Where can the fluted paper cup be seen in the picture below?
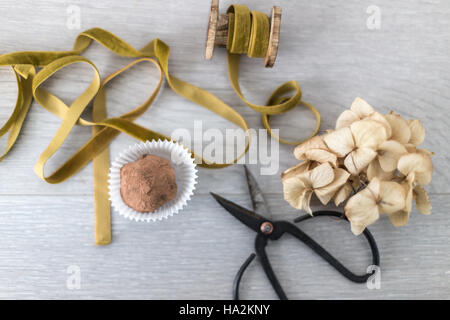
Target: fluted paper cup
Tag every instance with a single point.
(185, 177)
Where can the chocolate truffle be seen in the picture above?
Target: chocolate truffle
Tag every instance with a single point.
(147, 183)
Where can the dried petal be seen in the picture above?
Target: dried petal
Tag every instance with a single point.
(380, 118)
(321, 156)
(388, 154)
(374, 171)
(346, 119)
(358, 228)
(413, 149)
(361, 108)
(314, 164)
(343, 193)
(340, 141)
(425, 152)
(368, 133)
(410, 148)
(407, 187)
(400, 128)
(359, 159)
(305, 200)
(313, 143)
(321, 175)
(294, 191)
(418, 164)
(399, 218)
(361, 210)
(326, 193)
(296, 170)
(417, 132)
(391, 197)
(422, 200)
(409, 163)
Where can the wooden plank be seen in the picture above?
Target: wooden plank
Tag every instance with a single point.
(202, 248)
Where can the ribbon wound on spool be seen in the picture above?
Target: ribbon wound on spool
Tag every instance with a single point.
(248, 33)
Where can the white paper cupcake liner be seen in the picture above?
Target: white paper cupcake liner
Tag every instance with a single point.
(185, 177)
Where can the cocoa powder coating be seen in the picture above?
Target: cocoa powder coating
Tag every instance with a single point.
(147, 183)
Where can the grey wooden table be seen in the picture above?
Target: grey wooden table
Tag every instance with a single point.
(392, 53)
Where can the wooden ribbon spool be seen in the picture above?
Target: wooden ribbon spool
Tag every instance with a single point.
(217, 34)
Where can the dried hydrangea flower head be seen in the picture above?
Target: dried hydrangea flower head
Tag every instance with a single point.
(324, 181)
(371, 163)
(358, 143)
(361, 110)
(378, 197)
(315, 149)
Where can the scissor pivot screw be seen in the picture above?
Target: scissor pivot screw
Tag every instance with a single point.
(267, 228)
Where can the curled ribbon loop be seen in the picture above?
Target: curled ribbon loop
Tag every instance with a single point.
(104, 129)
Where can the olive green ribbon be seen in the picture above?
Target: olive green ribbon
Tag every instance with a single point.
(248, 33)
(104, 129)
(29, 81)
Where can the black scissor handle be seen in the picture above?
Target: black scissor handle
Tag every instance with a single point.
(238, 277)
(367, 234)
(282, 227)
(288, 227)
(260, 246)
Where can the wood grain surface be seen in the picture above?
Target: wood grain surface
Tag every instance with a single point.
(334, 52)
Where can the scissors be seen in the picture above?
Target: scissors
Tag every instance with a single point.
(266, 229)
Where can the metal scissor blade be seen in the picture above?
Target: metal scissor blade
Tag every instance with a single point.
(258, 202)
(249, 218)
